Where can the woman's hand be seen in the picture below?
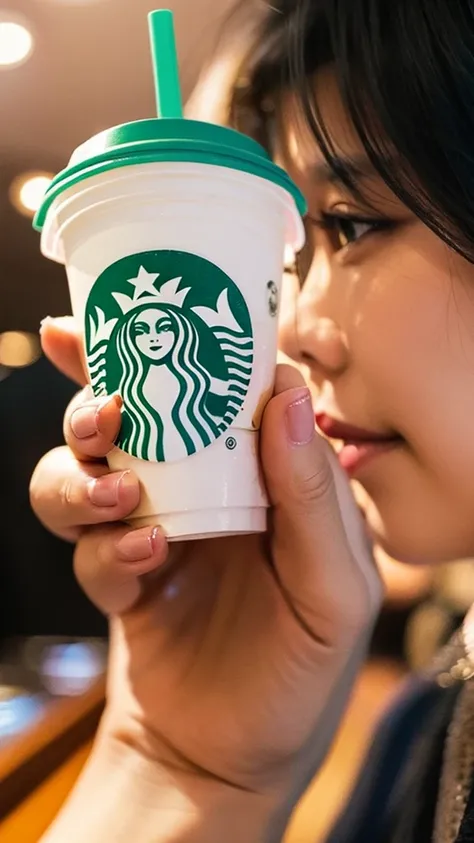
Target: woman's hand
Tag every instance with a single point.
(231, 659)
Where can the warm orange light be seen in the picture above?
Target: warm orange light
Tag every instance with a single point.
(16, 41)
(27, 191)
(18, 349)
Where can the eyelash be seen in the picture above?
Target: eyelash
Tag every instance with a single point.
(334, 224)
(166, 326)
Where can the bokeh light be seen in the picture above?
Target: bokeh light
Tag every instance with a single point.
(27, 191)
(18, 349)
(16, 41)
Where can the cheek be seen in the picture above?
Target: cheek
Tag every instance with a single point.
(413, 344)
(400, 337)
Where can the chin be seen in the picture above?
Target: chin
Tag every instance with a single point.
(412, 546)
(398, 551)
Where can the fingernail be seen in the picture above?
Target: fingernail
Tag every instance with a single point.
(111, 399)
(139, 545)
(300, 419)
(105, 491)
(85, 421)
(106, 402)
(46, 321)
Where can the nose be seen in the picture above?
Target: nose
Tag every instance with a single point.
(321, 342)
(310, 332)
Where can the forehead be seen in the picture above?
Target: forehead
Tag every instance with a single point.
(296, 145)
(151, 314)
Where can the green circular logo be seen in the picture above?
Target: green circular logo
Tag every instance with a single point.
(171, 333)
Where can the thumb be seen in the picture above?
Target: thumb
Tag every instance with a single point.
(62, 344)
(320, 549)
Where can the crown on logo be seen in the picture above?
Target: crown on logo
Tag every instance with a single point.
(145, 293)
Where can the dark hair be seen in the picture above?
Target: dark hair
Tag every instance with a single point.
(405, 71)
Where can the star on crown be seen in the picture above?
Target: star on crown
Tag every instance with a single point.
(145, 291)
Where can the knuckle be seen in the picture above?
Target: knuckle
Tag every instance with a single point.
(314, 485)
(67, 494)
(95, 555)
(96, 544)
(41, 488)
(87, 557)
(81, 564)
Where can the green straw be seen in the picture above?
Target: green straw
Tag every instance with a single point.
(165, 64)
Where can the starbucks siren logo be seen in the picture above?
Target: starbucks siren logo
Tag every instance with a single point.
(171, 333)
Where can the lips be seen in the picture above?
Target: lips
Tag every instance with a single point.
(348, 433)
(360, 446)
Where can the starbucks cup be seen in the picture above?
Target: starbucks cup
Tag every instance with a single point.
(173, 234)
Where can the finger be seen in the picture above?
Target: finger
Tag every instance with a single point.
(321, 558)
(355, 525)
(67, 494)
(110, 563)
(63, 346)
(91, 425)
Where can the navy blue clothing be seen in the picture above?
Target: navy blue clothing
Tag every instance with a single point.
(395, 798)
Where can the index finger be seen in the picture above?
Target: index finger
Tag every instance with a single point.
(63, 346)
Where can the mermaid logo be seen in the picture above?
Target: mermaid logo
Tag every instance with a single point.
(171, 333)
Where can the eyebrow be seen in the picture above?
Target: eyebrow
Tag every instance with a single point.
(356, 168)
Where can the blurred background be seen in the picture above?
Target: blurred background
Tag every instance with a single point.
(68, 69)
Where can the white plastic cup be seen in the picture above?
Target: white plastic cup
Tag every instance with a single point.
(213, 223)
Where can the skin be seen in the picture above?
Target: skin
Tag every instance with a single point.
(385, 335)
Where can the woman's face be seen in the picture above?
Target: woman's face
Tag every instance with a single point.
(385, 329)
(154, 334)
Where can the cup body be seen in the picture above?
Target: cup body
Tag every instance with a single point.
(174, 272)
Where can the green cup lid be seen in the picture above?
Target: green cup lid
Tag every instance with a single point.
(167, 139)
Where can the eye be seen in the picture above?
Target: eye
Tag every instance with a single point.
(141, 328)
(163, 325)
(348, 229)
